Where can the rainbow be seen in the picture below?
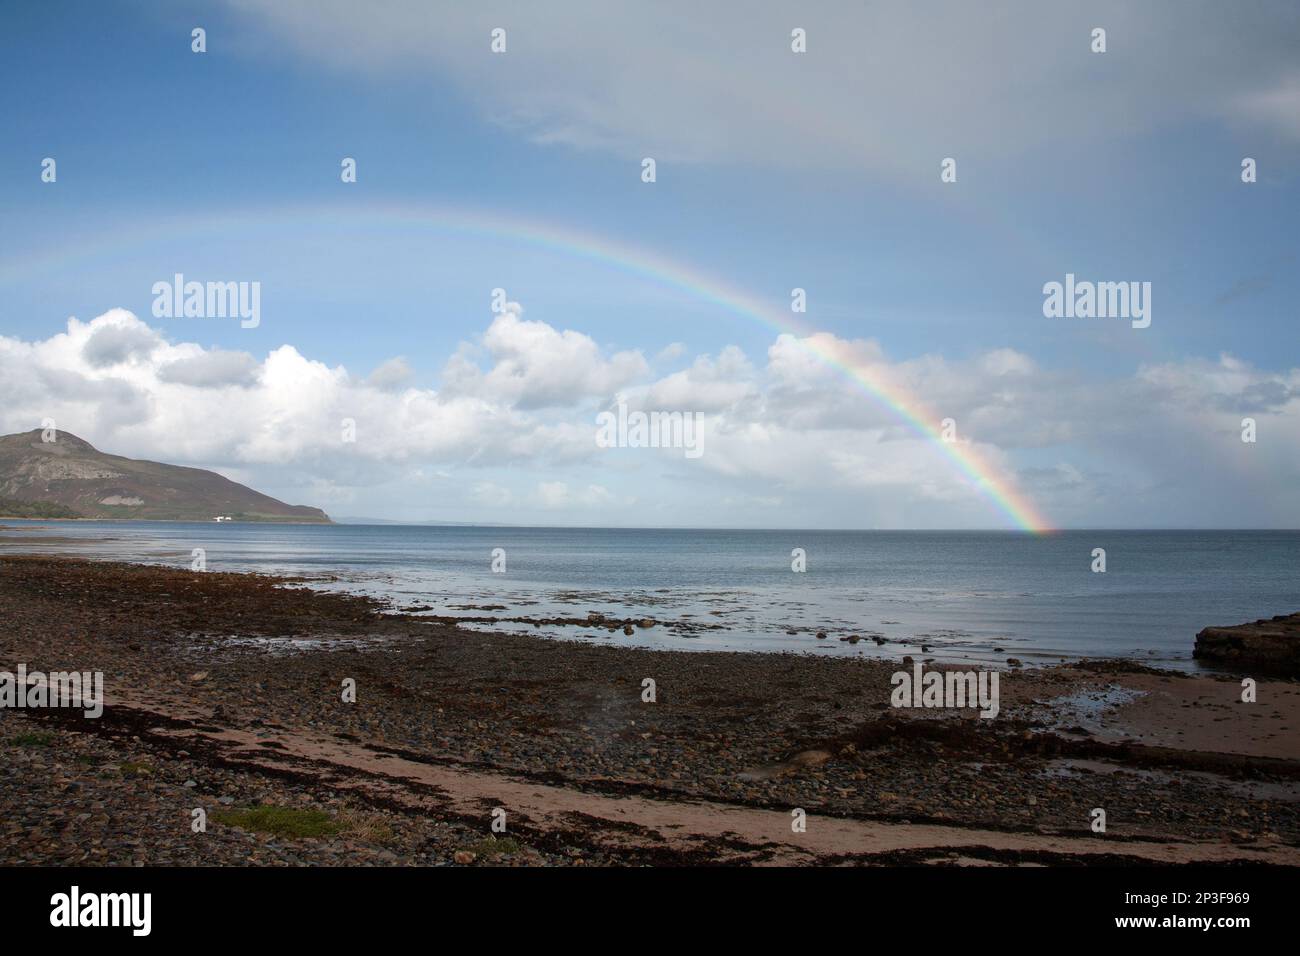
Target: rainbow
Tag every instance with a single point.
(871, 381)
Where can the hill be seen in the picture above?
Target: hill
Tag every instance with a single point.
(69, 477)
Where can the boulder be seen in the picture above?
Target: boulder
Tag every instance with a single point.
(1269, 646)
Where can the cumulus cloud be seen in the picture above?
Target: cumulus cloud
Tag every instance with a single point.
(536, 366)
(671, 352)
(513, 418)
(118, 339)
(285, 408)
(709, 385)
(211, 369)
(392, 374)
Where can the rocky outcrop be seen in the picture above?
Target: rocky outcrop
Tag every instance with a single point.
(1271, 645)
(55, 474)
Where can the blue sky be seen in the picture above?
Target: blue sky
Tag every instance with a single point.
(775, 170)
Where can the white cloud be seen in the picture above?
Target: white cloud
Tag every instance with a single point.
(119, 340)
(211, 369)
(708, 385)
(557, 495)
(515, 438)
(491, 495)
(392, 374)
(671, 352)
(535, 366)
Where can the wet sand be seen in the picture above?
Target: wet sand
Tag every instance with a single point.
(225, 692)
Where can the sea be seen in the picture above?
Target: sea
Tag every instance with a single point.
(954, 597)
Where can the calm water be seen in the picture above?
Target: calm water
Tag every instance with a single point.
(962, 594)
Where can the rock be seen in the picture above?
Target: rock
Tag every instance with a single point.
(201, 675)
(821, 635)
(809, 758)
(1014, 662)
(464, 857)
(853, 638)
(628, 629)
(648, 622)
(1271, 645)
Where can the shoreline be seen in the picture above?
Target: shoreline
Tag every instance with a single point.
(449, 723)
(740, 617)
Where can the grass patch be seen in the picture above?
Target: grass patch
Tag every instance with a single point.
(364, 826)
(493, 846)
(34, 738)
(136, 768)
(282, 821)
